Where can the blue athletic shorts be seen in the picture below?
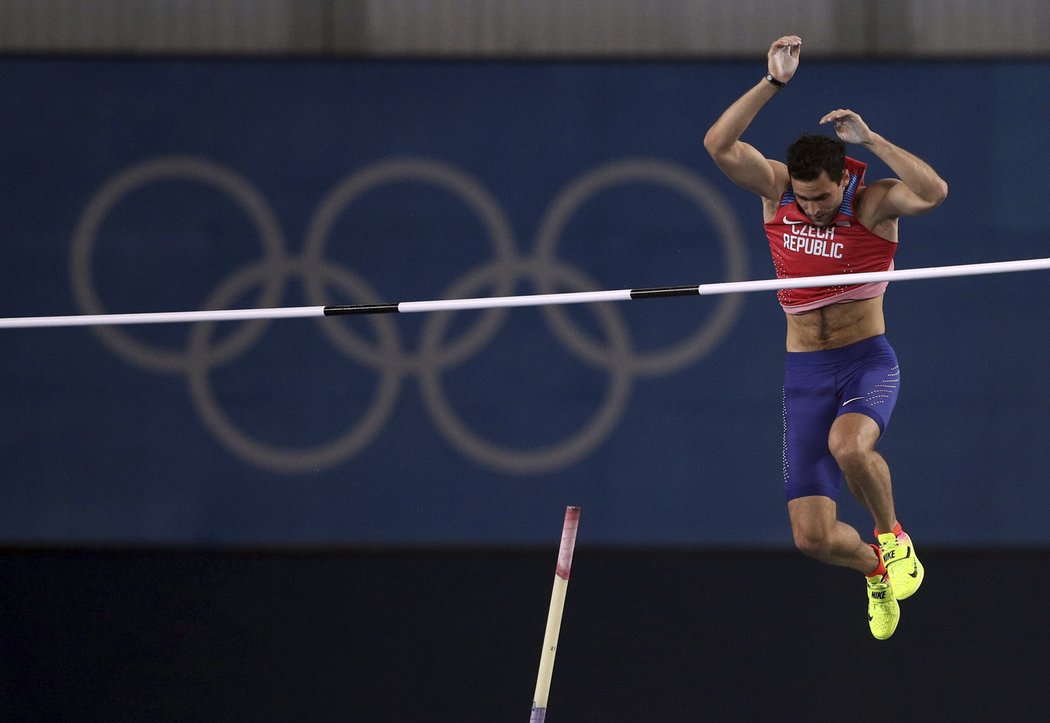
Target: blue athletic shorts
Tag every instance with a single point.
(818, 387)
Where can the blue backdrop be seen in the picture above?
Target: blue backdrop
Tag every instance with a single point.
(151, 185)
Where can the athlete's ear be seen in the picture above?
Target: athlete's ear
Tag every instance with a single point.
(845, 177)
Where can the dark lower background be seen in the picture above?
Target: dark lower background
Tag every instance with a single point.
(455, 635)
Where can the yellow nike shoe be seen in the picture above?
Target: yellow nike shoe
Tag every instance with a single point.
(902, 564)
(883, 610)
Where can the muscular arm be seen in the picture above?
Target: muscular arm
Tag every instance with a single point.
(919, 189)
(741, 162)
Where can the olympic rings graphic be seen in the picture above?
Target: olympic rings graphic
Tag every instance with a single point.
(201, 171)
(387, 354)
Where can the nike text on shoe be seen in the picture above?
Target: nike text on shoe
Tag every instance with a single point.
(883, 610)
(902, 564)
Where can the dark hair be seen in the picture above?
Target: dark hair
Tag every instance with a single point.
(813, 153)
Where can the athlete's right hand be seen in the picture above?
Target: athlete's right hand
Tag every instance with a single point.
(783, 57)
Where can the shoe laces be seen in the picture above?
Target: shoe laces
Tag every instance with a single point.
(898, 549)
(902, 542)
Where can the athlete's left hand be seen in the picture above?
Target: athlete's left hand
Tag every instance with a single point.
(849, 126)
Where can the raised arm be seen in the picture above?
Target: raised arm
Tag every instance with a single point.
(919, 189)
(740, 161)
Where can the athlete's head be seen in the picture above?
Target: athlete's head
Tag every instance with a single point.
(813, 153)
(817, 167)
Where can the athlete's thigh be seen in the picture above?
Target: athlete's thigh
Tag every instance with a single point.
(810, 407)
(870, 387)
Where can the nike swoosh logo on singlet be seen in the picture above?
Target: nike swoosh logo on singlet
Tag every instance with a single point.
(851, 400)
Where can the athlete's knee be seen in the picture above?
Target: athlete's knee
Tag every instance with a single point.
(852, 442)
(852, 452)
(812, 539)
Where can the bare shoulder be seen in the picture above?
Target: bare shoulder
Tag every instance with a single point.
(891, 198)
(780, 175)
(876, 192)
(871, 202)
(771, 199)
(779, 184)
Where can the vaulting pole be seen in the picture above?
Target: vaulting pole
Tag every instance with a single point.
(554, 614)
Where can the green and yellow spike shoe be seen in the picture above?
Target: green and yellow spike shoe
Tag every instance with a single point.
(902, 564)
(883, 610)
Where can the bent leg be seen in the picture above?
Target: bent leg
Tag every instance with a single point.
(852, 443)
(821, 535)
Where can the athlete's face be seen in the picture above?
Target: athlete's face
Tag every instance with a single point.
(820, 198)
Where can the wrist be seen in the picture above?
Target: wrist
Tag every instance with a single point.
(872, 141)
(772, 80)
